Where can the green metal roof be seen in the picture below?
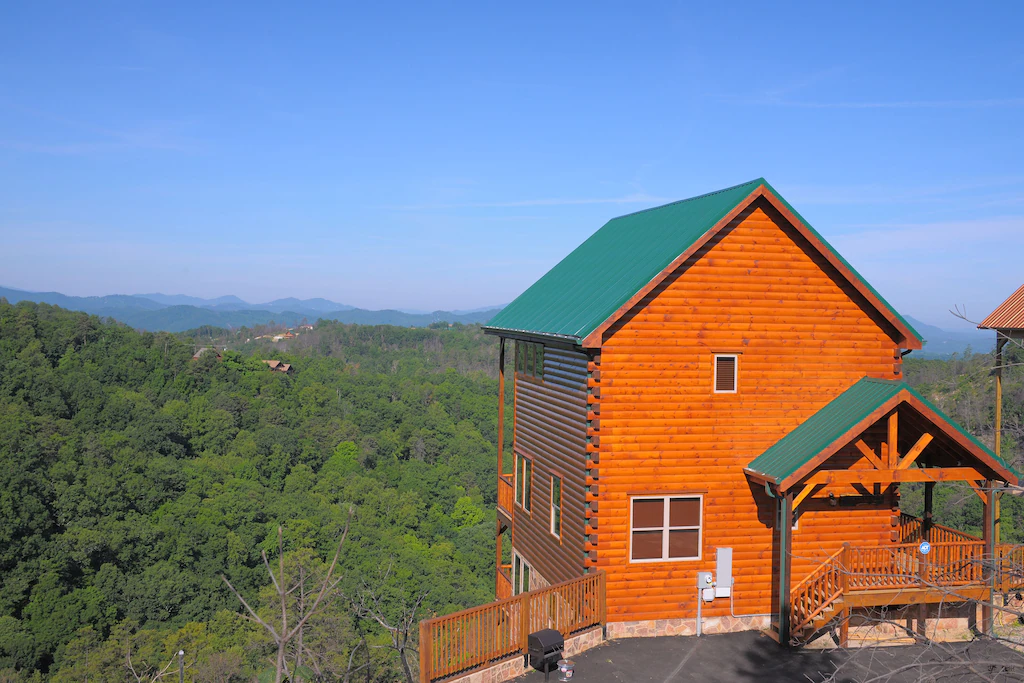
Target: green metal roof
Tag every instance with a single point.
(829, 424)
(589, 285)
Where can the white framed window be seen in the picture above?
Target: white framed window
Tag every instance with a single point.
(524, 481)
(556, 505)
(726, 379)
(520, 574)
(666, 528)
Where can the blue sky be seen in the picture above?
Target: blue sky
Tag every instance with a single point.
(445, 155)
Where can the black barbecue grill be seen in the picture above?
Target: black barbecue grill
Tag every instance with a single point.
(545, 649)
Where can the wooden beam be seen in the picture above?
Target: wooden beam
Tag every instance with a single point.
(803, 494)
(894, 455)
(978, 489)
(890, 476)
(869, 454)
(501, 406)
(912, 454)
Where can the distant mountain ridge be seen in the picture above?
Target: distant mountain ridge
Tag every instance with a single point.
(940, 343)
(178, 312)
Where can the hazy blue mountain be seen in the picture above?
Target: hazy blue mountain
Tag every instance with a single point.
(95, 305)
(185, 300)
(940, 343)
(293, 304)
(146, 313)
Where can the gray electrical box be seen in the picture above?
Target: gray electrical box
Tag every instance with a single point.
(705, 580)
(723, 588)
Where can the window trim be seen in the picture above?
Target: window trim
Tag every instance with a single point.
(517, 577)
(735, 373)
(666, 498)
(551, 504)
(522, 496)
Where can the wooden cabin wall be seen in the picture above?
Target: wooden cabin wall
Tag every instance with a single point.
(551, 428)
(803, 335)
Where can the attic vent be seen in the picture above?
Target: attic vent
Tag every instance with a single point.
(725, 373)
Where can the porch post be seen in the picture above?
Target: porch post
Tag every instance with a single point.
(497, 561)
(782, 553)
(926, 524)
(501, 406)
(988, 557)
(1000, 341)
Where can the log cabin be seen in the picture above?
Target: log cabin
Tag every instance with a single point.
(709, 407)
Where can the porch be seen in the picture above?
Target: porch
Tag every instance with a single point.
(881, 433)
(954, 570)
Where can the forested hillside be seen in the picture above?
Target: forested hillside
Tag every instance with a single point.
(963, 387)
(131, 477)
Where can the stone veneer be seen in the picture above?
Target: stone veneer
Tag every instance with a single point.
(684, 627)
(514, 667)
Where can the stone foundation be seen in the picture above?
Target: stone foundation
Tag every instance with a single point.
(514, 667)
(684, 627)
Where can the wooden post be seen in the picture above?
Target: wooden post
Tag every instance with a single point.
(782, 553)
(501, 406)
(425, 651)
(1000, 341)
(497, 563)
(988, 557)
(926, 523)
(844, 583)
(524, 625)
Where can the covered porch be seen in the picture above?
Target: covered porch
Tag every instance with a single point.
(863, 445)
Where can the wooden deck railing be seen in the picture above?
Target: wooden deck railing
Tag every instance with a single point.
(903, 566)
(910, 527)
(816, 592)
(505, 492)
(465, 641)
(1009, 567)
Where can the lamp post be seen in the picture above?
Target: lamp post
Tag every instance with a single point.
(181, 666)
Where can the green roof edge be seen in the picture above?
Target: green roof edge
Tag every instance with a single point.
(753, 184)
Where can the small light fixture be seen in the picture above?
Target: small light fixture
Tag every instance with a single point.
(831, 498)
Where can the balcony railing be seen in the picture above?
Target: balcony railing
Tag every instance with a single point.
(472, 639)
(505, 493)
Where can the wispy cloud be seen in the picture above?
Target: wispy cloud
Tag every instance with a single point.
(899, 104)
(637, 198)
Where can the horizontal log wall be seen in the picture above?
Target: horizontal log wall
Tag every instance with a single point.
(551, 428)
(803, 336)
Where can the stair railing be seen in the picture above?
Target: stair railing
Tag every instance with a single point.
(817, 591)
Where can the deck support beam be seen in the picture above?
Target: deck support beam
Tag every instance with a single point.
(926, 522)
(501, 406)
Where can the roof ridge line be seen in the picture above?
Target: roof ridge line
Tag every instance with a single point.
(690, 199)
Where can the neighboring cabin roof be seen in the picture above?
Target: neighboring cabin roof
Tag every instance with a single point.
(591, 285)
(847, 416)
(1008, 316)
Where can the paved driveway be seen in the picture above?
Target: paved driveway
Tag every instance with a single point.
(750, 656)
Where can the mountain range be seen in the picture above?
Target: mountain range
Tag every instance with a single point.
(178, 312)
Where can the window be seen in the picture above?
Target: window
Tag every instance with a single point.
(726, 373)
(520, 574)
(530, 359)
(665, 528)
(556, 506)
(524, 475)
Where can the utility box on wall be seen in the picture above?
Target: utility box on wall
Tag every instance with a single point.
(723, 588)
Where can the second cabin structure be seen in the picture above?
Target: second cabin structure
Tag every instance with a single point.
(709, 387)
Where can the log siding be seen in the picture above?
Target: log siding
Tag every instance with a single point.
(802, 335)
(551, 429)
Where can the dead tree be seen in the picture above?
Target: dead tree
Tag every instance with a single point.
(401, 626)
(287, 630)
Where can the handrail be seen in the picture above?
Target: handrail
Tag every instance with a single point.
(819, 589)
(505, 493)
(910, 531)
(469, 640)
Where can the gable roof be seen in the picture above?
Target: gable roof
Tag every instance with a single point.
(595, 284)
(844, 418)
(1008, 316)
